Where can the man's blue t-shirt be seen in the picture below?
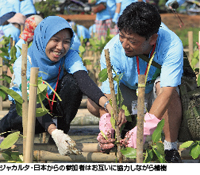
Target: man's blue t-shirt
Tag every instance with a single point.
(168, 53)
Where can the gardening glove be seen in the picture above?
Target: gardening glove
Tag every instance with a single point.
(114, 20)
(150, 124)
(64, 143)
(106, 144)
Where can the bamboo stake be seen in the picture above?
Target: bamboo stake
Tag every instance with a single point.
(190, 43)
(140, 117)
(24, 95)
(90, 151)
(31, 115)
(114, 104)
(84, 157)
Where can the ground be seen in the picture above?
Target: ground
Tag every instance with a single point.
(170, 19)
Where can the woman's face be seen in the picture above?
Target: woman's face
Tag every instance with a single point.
(58, 45)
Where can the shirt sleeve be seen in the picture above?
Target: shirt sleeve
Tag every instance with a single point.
(73, 62)
(172, 66)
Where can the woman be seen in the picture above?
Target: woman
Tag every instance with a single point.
(50, 51)
(28, 32)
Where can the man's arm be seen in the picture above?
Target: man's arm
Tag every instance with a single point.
(162, 101)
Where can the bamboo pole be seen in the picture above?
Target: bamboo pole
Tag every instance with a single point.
(31, 115)
(24, 95)
(190, 43)
(140, 117)
(114, 103)
(84, 157)
(89, 153)
(83, 147)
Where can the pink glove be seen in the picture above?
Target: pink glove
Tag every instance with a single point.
(150, 124)
(105, 126)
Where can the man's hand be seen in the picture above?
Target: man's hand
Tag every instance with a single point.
(106, 136)
(106, 144)
(64, 143)
(150, 124)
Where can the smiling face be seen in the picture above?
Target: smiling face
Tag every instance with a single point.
(134, 44)
(58, 45)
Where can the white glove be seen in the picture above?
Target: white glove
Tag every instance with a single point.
(64, 143)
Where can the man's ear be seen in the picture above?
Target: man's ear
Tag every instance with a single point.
(153, 39)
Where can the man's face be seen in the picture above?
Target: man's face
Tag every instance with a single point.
(134, 44)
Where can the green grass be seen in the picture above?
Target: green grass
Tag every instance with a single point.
(183, 35)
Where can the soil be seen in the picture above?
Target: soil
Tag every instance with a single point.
(169, 19)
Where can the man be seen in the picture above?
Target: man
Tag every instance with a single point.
(141, 33)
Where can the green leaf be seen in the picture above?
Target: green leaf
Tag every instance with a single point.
(16, 157)
(112, 121)
(6, 155)
(159, 156)
(87, 62)
(148, 156)
(10, 140)
(186, 144)
(12, 93)
(195, 150)
(156, 136)
(126, 111)
(41, 88)
(19, 108)
(2, 94)
(41, 112)
(103, 75)
(198, 80)
(13, 51)
(129, 152)
(160, 147)
(7, 78)
(104, 135)
(81, 49)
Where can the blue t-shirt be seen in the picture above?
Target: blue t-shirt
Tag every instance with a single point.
(72, 64)
(27, 7)
(168, 53)
(83, 31)
(11, 30)
(125, 3)
(109, 12)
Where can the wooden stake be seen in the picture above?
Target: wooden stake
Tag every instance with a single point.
(31, 115)
(140, 117)
(114, 103)
(190, 43)
(24, 95)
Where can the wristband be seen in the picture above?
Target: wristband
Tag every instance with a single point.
(106, 105)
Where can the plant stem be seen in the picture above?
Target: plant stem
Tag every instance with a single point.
(114, 104)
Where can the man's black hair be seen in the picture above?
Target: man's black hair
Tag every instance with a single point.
(140, 18)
